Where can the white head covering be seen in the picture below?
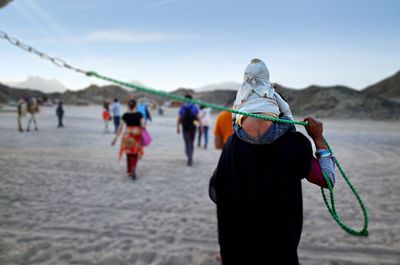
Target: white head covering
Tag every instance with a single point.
(256, 79)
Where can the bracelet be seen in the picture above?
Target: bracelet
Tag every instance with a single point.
(323, 153)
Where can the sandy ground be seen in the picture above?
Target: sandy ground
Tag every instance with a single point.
(64, 198)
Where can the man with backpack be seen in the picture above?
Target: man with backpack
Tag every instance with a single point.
(188, 114)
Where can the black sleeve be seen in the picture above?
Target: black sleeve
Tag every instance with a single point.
(212, 193)
(304, 150)
(218, 181)
(124, 118)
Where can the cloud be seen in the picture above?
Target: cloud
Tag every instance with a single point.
(39, 83)
(126, 36)
(161, 3)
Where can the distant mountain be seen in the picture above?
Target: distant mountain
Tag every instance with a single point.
(183, 91)
(388, 88)
(220, 97)
(219, 86)
(95, 94)
(339, 102)
(38, 83)
(8, 93)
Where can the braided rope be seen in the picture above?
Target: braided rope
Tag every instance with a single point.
(332, 209)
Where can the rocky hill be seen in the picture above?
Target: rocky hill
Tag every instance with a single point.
(388, 88)
(95, 95)
(223, 97)
(339, 102)
(8, 93)
(219, 97)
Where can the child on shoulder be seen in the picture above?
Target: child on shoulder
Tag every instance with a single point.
(257, 95)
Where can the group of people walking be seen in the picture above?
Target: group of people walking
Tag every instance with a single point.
(111, 113)
(191, 120)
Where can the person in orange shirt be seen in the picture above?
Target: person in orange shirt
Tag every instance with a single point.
(106, 115)
(222, 129)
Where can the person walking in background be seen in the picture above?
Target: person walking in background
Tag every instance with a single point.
(106, 115)
(143, 108)
(116, 113)
(188, 114)
(222, 129)
(131, 144)
(160, 110)
(205, 117)
(147, 111)
(60, 114)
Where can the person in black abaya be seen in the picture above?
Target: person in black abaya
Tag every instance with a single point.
(257, 189)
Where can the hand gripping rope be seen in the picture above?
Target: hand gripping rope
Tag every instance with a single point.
(331, 206)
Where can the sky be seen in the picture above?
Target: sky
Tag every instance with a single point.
(166, 44)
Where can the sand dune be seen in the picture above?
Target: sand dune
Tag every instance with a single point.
(64, 198)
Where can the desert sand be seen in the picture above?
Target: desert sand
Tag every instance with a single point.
(65, 199)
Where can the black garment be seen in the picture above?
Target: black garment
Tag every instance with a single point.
(132, 118)
(259, 199)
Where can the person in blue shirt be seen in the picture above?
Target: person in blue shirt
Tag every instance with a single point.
(142, 108)
(188, 114)
(116, 113)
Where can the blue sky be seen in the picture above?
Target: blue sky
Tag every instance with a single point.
(167, 44)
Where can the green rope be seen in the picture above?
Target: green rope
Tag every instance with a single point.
(331, 208)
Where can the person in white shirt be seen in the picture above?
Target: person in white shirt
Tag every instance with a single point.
(205, 117)
(116, 113)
